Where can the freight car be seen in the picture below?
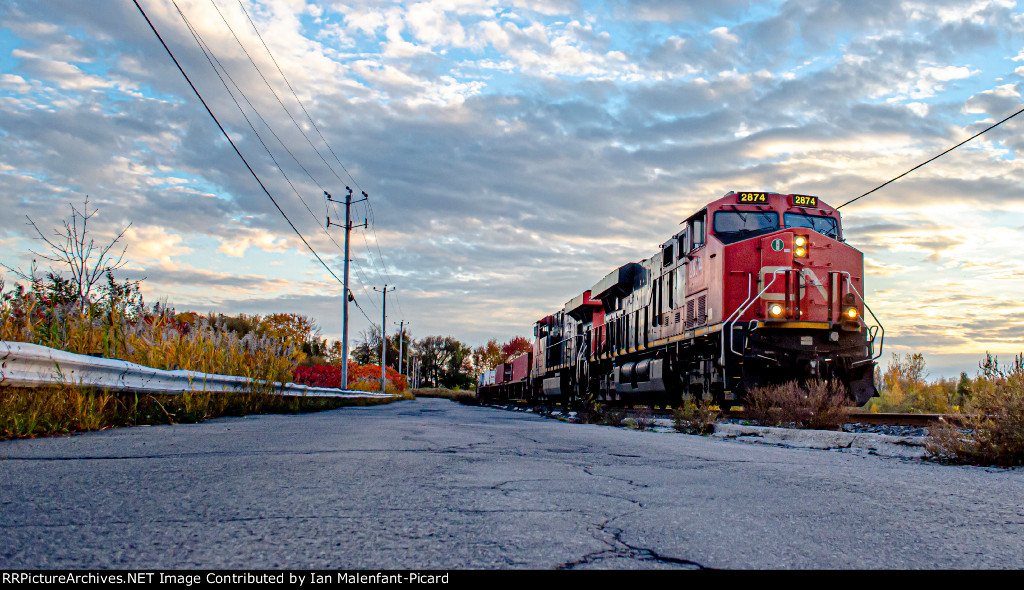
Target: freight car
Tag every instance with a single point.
(756, 288)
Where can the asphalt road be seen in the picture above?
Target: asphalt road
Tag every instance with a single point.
(433, 484)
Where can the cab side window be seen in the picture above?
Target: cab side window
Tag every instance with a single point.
(696, 230)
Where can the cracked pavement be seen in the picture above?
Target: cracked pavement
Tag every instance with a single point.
(433, 484)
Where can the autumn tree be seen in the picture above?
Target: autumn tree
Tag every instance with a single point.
(492, 354)
(445, 361)
(516, 347)
(367, 348)
(488, 356)
(294, 328)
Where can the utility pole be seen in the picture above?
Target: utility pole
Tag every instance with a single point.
(348, 294)
(401, 336)
(383, 335)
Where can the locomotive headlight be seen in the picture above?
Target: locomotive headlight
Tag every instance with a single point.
(775, 310)
(800, 246)
(851, 313)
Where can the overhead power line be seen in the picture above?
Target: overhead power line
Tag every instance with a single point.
(989, 128)
(230, 141)
(318, 131)
(303, 106)
(208, 52)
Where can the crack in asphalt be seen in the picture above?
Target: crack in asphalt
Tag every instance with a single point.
(619, 549)
(589, 471)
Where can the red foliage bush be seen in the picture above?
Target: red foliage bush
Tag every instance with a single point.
(330, 375)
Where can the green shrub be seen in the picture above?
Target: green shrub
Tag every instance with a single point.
(695, 418)
(589, 411)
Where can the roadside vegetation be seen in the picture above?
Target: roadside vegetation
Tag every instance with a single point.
(904, 387)
(818, 405)
(79, 305)
(467, 397)
(64, 409)
(991, 429)
(695, 417)
(360, 378)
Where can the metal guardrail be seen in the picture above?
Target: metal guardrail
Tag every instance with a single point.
(31, 365)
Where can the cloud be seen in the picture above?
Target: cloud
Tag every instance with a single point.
(242, 239)
(515, 152)
(154, 245)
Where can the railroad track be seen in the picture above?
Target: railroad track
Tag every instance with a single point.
(888, 419)
(873, 418)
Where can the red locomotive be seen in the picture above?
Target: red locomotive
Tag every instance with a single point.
(757, 288)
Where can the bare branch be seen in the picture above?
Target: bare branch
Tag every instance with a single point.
(77, 253)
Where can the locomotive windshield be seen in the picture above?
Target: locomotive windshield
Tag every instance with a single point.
(822, 225)
(733, 226)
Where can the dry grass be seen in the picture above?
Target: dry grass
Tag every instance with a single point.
(456, 395)
(695, 418)
(992, 431)
(819, 405)
(466, 397)
(63, 409)
(434, 392)
(158, 338)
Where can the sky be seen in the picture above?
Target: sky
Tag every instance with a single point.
(515, 152)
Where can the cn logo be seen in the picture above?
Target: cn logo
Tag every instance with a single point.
(778, 244)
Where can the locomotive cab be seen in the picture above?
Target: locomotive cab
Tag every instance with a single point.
(791, 295)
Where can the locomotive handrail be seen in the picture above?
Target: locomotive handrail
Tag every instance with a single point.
(881, 328)
(746, 304)
(563, 341)
(737, 314)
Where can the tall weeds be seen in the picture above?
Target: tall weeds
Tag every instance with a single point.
(118, 325)
(62, 409)
(991, 431)
(819, 405)
(125, 329)
(695, 417)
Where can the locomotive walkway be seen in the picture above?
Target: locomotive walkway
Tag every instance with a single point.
(433, 484)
